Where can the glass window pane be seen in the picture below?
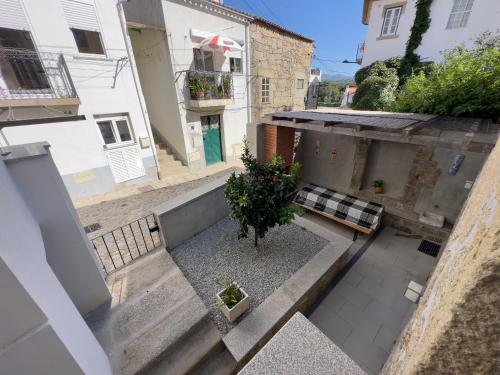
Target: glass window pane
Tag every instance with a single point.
(88, 41)
(208, 59)
(106, 129)
(198, 59)
(123, 130)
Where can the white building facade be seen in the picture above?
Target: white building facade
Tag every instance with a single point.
(453, 22)
(313, 90)
(66, 78)
(205, 127)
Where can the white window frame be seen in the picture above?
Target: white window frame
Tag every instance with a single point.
(460, 13)
(265, 90)
(300, 83)
(390, 23)
(234, 65)
(116, 133)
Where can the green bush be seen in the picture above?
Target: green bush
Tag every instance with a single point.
(375, 93)
(467, 83)
(259, 197)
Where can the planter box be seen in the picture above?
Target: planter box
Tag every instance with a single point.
(237, 310)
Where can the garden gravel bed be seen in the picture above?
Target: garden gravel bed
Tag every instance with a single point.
(217, 252)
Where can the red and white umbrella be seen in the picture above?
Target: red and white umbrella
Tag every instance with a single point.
(220, 42)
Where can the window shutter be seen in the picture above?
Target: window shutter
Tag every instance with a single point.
(81, 14)
(126, 164)
(12, 15)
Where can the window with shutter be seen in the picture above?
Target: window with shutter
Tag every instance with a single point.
(460, 14)
(391, 21)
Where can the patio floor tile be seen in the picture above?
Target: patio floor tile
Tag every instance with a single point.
(371, 356)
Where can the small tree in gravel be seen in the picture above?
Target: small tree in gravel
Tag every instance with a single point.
(259, 197)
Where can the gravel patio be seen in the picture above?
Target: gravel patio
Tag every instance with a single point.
(217, 252)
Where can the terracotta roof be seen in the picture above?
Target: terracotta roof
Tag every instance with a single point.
(269, 23)
(282, 29)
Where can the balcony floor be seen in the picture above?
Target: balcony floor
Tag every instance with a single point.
(366, 310)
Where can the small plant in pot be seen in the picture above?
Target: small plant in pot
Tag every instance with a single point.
(227, 86)
(378, 186)
(232, 300)
(197, 86)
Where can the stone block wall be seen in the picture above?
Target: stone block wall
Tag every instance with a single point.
(456, 327)
(284, 59)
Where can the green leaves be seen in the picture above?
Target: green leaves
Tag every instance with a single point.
(259, 197)
(467, 83)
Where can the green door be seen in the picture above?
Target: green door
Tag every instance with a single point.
(210, 126)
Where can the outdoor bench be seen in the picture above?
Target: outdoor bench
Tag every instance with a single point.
(360, 215)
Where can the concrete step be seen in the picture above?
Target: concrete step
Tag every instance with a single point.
(155, 318)
(193, 351)
(219, 363)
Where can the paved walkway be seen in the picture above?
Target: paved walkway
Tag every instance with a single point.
(115, 209)
(366, 311)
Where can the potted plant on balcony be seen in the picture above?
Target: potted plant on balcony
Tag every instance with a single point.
(197, 85)
(226, 86)
(232, 300)
(378, 186)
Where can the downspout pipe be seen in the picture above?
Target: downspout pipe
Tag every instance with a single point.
(130, 55)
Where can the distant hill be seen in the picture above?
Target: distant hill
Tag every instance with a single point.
(336, 77)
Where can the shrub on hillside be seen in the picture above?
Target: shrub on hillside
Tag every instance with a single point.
(467, 83)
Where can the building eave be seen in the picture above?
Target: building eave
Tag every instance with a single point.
(366, 11)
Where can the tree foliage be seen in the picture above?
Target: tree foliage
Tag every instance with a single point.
(467, 83)
(331, 92)
(377, 84)
(258, 197)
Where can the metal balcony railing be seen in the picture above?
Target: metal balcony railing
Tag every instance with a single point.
(203, 85)
(360, 52)
(27, 74)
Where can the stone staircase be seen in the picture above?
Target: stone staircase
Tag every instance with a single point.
(169, 165)
(156, 323)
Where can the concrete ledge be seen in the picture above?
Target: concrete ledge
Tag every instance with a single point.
(296, 294)
(209, 103)
(301, 348)
(184, 216)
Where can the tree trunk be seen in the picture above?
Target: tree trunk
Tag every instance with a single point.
(256, 238)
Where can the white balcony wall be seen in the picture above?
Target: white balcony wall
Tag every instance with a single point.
(77, 146)
(41, 331)
(484, 17)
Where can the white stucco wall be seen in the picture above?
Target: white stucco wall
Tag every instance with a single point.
(180, 17)
(77, 146)
(484, 17)
(41, 331)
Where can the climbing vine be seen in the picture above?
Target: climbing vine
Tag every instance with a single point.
(411, 60)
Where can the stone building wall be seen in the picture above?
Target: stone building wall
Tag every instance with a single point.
(283, 58)
(456, 327)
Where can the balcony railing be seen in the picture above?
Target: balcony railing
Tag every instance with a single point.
(27, 74)
(360, 52)
(208, 89)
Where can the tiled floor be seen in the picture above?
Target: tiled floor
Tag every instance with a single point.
(366, 311)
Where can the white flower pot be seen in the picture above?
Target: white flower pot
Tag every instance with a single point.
(237, 310)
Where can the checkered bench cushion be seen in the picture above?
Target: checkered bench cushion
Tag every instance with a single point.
(344, 207)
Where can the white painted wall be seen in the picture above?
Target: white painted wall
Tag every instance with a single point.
(77, 146)
(180, 17)
(41, 331)
(68, 250)
(485, 16)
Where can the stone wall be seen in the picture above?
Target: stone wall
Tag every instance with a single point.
(456, 327)
(283, 59)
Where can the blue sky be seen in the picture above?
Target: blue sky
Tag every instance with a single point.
(335, 25)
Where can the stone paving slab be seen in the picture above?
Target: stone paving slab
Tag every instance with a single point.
(300, 348)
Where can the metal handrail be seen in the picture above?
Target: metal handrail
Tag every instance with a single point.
(120, 246)
(28, 74)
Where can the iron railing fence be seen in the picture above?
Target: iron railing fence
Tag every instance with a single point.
(206, 85)
(28, 74)
(124, 244)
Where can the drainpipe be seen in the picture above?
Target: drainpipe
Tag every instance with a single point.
(248, 79)
(130, 55)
